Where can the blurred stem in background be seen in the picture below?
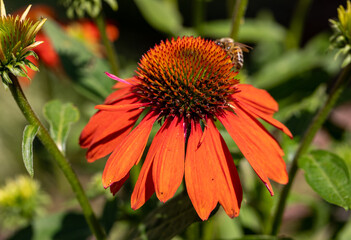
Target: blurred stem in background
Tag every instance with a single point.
(58, 156)
(311, 131)
(110, 50)
(198, 12)
(237, 16)
(293, 36)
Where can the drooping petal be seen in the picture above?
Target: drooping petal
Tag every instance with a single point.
(266, 117)
(228, 184)
(100, 120)
(259, 104)
(106, 130)
(128, 152)
(200, 179)
(122, 91)
(144, 187)
(118, 94)
(168, 167)
(258, 147)
(106, 140)
(119, 107)
(116, 186)
(258, 98)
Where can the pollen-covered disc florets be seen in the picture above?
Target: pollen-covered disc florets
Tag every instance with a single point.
(17, 40)
(187, 76)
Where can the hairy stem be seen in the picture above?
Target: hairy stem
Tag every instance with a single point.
(311, 131)
(63, 163)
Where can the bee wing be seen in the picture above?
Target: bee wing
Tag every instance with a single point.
(244, 47)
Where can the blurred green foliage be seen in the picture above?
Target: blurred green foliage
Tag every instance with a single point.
(298, 75)
(21, 201)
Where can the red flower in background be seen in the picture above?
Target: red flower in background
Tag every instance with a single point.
(84, 30)
(185, 85)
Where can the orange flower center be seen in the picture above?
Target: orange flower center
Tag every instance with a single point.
(187, 76)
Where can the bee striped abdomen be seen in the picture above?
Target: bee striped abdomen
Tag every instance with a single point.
(237, 58)
(234, 50)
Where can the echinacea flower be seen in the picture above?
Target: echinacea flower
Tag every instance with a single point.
(186, 85)
(17, 43)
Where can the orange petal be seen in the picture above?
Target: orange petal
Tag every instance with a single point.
(128, 152)
(168, 168)
(106, 140)
(200, 178)
(266, 117)
(100, 120)
(106, 130)
(116, 186)
(258, 98)
(120, 107)
(124, 91)
(228, 183)
(258, 147)
(132, 81)
(144, 187)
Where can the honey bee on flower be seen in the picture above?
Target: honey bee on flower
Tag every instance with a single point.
(234, 50)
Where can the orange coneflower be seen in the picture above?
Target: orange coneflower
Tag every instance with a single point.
(185, 84)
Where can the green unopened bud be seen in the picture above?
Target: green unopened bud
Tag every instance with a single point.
(91, 8)
(17, 41)
(341, 38)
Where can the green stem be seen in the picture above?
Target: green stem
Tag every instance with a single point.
(293, 36)
(198, 12)
(63, 163)
(110, 51)
(311, 131)
(238, 14)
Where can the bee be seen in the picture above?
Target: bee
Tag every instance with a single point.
(234, 50)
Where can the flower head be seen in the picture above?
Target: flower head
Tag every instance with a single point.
(17, 40)
(186, 85)
(21, 199)
(341, 38)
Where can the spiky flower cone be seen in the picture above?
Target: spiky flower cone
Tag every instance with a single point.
(17, 41)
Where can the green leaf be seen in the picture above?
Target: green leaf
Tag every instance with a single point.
(61, 225)
(85, 69)
(5, 77)
(60, 117)
(263, 28)
(163, 15)
(345, 232)
(250, 219)
(215, 28)
(31, 65)
(29, 134)
(226, 228)
(328, 175)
